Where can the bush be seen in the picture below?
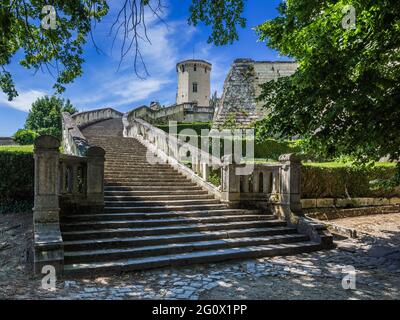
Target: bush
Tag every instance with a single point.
(196, 126)
(25, 137)
(16, 178)
(342, 181)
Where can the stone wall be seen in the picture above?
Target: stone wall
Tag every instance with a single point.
(238, 105)
(7, 141)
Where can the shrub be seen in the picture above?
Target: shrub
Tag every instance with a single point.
(16, 178)
(342, 181)
(196, 126)
(25, 137)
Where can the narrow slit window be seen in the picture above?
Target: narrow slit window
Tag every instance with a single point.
(195, 87)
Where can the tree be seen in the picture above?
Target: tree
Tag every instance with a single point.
(45, 115)
(56, 50)
(59, 51)
(345, 96)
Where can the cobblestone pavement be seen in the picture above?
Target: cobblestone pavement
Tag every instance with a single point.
(316, 275)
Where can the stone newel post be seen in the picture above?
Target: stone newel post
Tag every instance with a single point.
(48, 245)
(95, 178)
(230, 182)
(291, 182)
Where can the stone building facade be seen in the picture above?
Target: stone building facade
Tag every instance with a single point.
(238, 106)
(194, 85)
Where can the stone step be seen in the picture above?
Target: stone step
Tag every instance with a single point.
(146, 223)
(155, 193)
(205, 256)
(109, 243)
(153, 188)
(170, 249)
(144, 197)
(164, 208)
(150, 203)
(160, 179)
(161, 215)
(150, 171)
(137, 232)
(144, 184)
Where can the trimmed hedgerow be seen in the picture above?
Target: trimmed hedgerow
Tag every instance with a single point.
(16, 179)
(196, 126)
(335, 181)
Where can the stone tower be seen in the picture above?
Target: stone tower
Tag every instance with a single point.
(194, 82)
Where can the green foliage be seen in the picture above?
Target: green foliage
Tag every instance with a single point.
(223, 16)
(59, 51)
(215, 177)
(45, 115)
(342, 181)
(18, 149)
(25, 136)
(344, 98)
(196, 126)
(16, 177)
(16, 207)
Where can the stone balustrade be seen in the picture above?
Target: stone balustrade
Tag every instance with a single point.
(185, 112)
(62, 182)
(86, 118)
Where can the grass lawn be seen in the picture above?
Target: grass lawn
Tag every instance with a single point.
(27, 149)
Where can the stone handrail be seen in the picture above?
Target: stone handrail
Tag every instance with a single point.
(176, 112)
(73, 142)
(63, 183)
(86, 118)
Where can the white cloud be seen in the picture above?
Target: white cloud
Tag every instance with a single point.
(24, 100)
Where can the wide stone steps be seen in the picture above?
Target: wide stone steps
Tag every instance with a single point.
(124, 242)
(161, 215)
(155, 217)
(164, 208)
(98, 225)
(165, 184)
(121, 187)
(169, 249)
(132, 232)
(205, 256)
(130, 198)
(145, 203)
(153, 193)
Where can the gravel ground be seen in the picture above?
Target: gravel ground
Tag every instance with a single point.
(375, 257)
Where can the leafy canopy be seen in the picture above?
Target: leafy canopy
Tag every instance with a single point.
(345, 97)
(59, 52)
(45, 115)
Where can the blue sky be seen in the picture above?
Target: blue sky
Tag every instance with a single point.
(104, 85)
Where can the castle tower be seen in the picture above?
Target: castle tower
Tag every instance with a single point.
(194, 84)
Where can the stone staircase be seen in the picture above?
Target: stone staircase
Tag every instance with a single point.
(156, 217)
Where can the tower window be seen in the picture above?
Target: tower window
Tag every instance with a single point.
(205, 69)
(194, 86)
(195, 68)
(183, 68)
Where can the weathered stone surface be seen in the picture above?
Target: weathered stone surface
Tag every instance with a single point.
(238, 106)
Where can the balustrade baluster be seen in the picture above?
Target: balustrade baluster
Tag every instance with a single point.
(256, 181)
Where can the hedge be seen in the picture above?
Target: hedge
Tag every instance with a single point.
(322, 181)
(196, 126)
(16, 178)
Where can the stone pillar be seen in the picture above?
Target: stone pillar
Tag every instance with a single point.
(290, 183)
(205, 170)
(48, 245)
(230, 182)
(95, 178)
